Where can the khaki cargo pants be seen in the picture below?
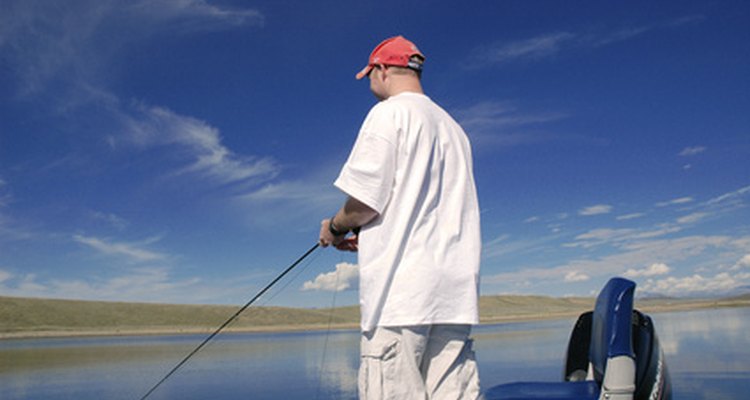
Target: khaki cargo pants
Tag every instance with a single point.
(430, 362)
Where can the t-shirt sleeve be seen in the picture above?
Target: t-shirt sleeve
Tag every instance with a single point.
(369, 172)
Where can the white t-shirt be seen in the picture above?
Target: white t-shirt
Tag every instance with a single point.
(419, 259)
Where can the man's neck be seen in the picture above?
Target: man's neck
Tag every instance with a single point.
(406, 87)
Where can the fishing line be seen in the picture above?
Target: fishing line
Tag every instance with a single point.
(297, 272)
(227, 322)
(328, 334)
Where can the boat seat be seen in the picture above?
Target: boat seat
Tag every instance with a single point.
(611, 373)
(583, 390)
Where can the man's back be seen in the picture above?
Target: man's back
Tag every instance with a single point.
(419, 260)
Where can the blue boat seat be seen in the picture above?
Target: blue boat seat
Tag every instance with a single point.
(612, 365)
(545, 390)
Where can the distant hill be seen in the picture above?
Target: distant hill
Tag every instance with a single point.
(25, 317)
(42, 316)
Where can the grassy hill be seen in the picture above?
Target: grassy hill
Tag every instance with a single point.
(23, 317)
(38, 316)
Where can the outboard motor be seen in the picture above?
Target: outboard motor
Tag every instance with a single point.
(613, 354)
(651, 375)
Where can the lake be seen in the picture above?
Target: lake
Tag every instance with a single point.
(708, 355)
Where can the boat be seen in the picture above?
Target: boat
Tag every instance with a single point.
(613, 354)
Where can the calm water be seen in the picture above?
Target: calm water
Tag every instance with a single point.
(708, 353)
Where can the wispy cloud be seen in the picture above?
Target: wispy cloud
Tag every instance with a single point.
(505, 244)
(630, 216)
(154, 126)
(692, 218)
(695, 285)
(140, 284)
(641, 259)
(63, 48)
(69, 46)
(344, 277)
(193, 15)
(498, 123)
(691, 151)
(292, 201)
(618, 237)
(10, 228)
(4, 194)
(498, 114)
(131, 251)
(652, 270)
(576, 276)
(744, 262)
(548, 45)
(525, 49)
(110, 219)
(731, 198)
(678, 201)
(656, 256)
(694, 213)
(4, 276)
(598, 209)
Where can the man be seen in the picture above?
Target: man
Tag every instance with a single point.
(412, 215)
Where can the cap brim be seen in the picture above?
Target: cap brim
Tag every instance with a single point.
(365, 71)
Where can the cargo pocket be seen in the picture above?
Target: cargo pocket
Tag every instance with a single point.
(378, 370)
(468, 375)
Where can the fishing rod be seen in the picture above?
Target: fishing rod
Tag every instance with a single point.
(229, 321)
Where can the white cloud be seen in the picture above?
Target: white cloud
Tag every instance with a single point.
(681, 200)
(28, 284)
(693, 252)
(504, 245)
(344, 277)
(576, 276)
(533, 48)
(155, 126)
(695, 285)
(653, 270)
(19, 285)
(64, 48)
(9, 226)
(691, 151)
(141, 284)
(692, 218)
(630, 216)
(595, 210)
(551, 44)
(601, 236)
(729, 198)
(4, 194)
(289, 191)
(133, 252)
(4, 276)
(293, 201)
(498, 123)
(73, 44)
(194, 15)
(744, 262)
(113, 220)
(618, 237)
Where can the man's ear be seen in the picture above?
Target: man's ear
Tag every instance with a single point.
(383, 72)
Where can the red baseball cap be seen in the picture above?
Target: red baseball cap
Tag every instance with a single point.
(396, 51)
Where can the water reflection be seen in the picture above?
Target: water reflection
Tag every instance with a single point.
(708, 353)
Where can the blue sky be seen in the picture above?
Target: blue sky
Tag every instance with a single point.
(184, 151)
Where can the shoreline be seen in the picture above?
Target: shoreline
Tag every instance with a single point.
(282, 328)
(124, 332)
